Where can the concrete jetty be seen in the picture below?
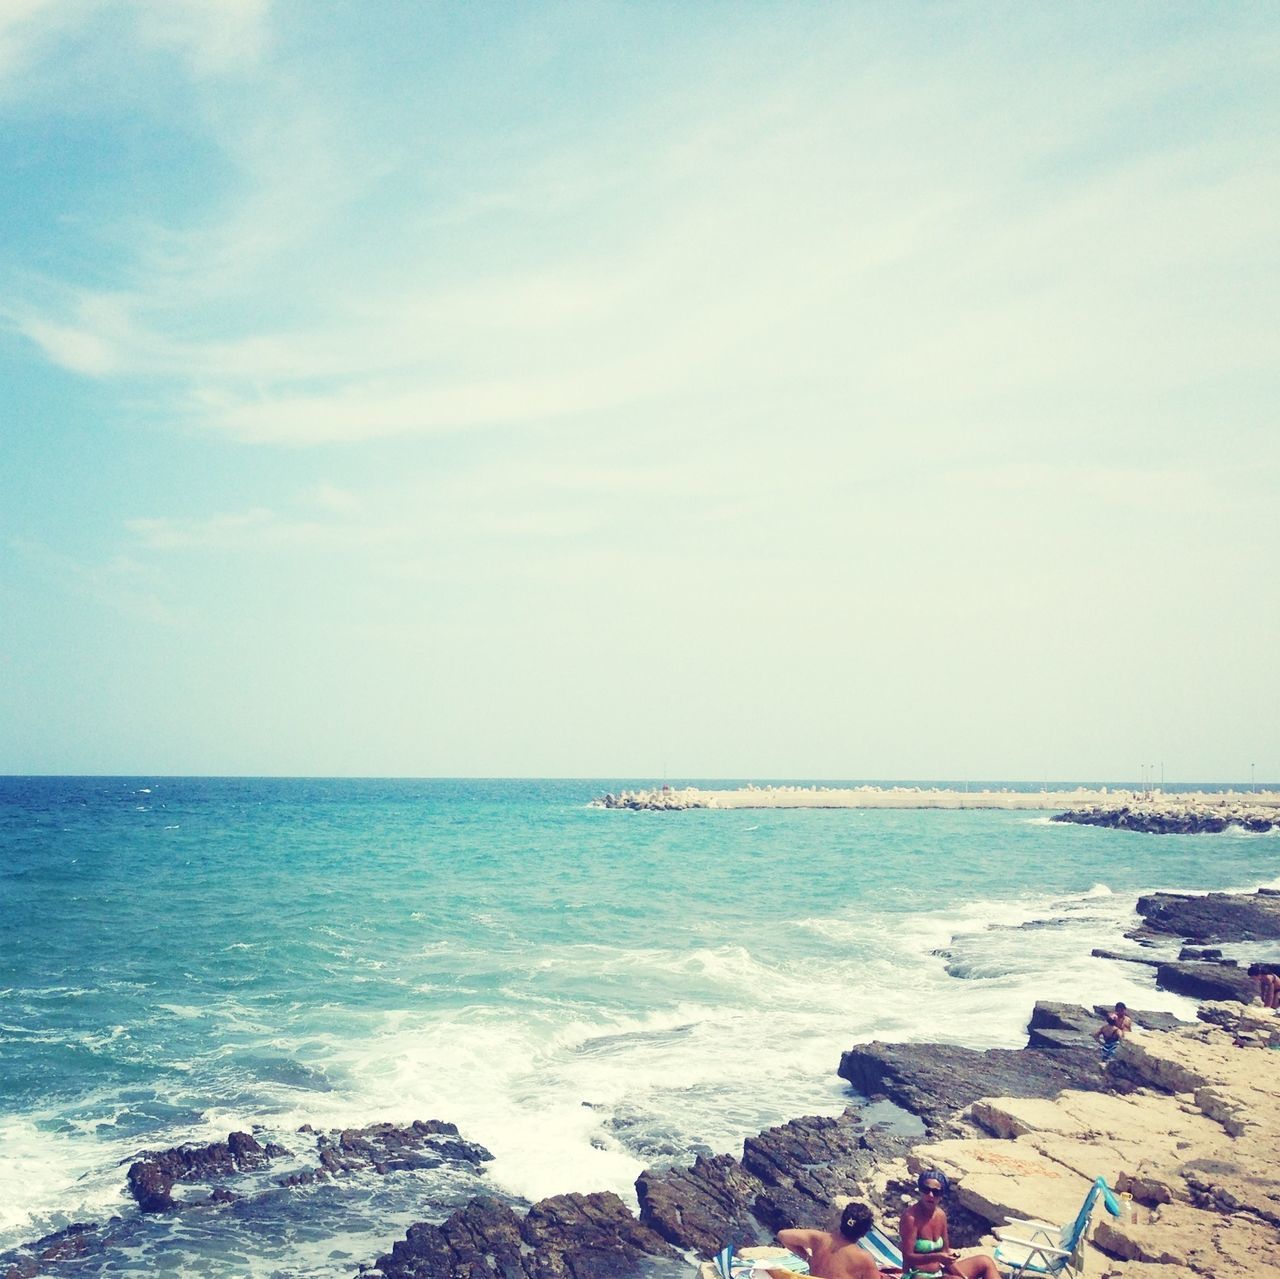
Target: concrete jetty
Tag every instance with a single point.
(1182, 812)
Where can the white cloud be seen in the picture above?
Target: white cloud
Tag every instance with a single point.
(254, 530)
(215, 36)
(76, 349)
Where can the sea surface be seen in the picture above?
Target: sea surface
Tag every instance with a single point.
(585, 992)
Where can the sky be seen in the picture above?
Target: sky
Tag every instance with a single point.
(752, 390)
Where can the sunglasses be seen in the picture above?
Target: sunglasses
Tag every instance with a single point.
(932, 1190)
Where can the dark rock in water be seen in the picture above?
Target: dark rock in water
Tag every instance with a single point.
(934, 1081)
(1200, 952)
(150, 1186)
(384, 1148)
(1164, 819)
(564, 1237)
(1214, 917)
(1098, 953)
(71, 1244)
(1206, 981)
(151, 1179)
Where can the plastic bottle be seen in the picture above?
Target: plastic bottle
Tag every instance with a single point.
(1127, 1210)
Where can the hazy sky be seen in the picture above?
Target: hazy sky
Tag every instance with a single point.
(753, 390)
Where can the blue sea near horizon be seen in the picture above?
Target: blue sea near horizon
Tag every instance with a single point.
(586, 992)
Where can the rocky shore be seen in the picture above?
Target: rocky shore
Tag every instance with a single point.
(1186, 1120)
(1188, 812)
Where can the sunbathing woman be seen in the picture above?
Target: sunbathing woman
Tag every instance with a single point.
(926, 1245)
(834, 1256)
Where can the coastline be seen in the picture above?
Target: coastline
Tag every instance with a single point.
(1180, 1122)
(1176, 1122)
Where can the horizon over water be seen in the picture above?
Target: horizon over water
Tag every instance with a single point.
(585, 992)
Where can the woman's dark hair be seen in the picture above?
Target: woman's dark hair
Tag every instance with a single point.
(932, 1174)
(855, 1220)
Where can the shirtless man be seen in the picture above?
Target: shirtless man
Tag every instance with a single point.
(1268, 984)
(834, 1256)
(926, 1244)
(1124, 1023)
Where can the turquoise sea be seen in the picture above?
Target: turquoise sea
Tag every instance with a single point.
(586, 992)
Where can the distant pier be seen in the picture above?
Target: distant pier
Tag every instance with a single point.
(1153, 811)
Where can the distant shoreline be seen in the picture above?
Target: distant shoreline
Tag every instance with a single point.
(667, 798)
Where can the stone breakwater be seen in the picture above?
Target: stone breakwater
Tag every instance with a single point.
(1203, 815)
(1189, 811)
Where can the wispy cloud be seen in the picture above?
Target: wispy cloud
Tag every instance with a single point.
(121, 583)
(663, 268)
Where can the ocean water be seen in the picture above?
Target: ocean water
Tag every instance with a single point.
(586, 992)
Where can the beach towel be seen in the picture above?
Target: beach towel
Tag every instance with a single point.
(731, 1264)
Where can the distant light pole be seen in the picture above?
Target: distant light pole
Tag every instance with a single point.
(1252, 785)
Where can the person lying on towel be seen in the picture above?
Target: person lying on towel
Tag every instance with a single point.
(834, 1256)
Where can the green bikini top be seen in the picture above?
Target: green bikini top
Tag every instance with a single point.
(929, 1245)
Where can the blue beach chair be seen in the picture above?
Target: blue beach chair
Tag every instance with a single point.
(887, 1253)
(1043, 1249)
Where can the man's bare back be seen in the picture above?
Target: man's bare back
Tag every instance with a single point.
(829, 1256)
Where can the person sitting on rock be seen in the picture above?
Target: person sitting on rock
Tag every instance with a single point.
(1268, 984)
(1123, 1021)
(1109, 1036)
(834, 1256)
(926, 1244)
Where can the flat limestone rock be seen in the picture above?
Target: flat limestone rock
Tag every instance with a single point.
(1148, 1120)
(1001, 1179)
(1195, 1146)
(1223, 1246)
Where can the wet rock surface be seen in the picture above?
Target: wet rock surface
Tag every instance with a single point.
(934, 1081)
(151, 1179)
(386, 1148)
(74, 1243)
(565, 1237)
(1206, 981)
(1211, 918)
(381, 1148)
